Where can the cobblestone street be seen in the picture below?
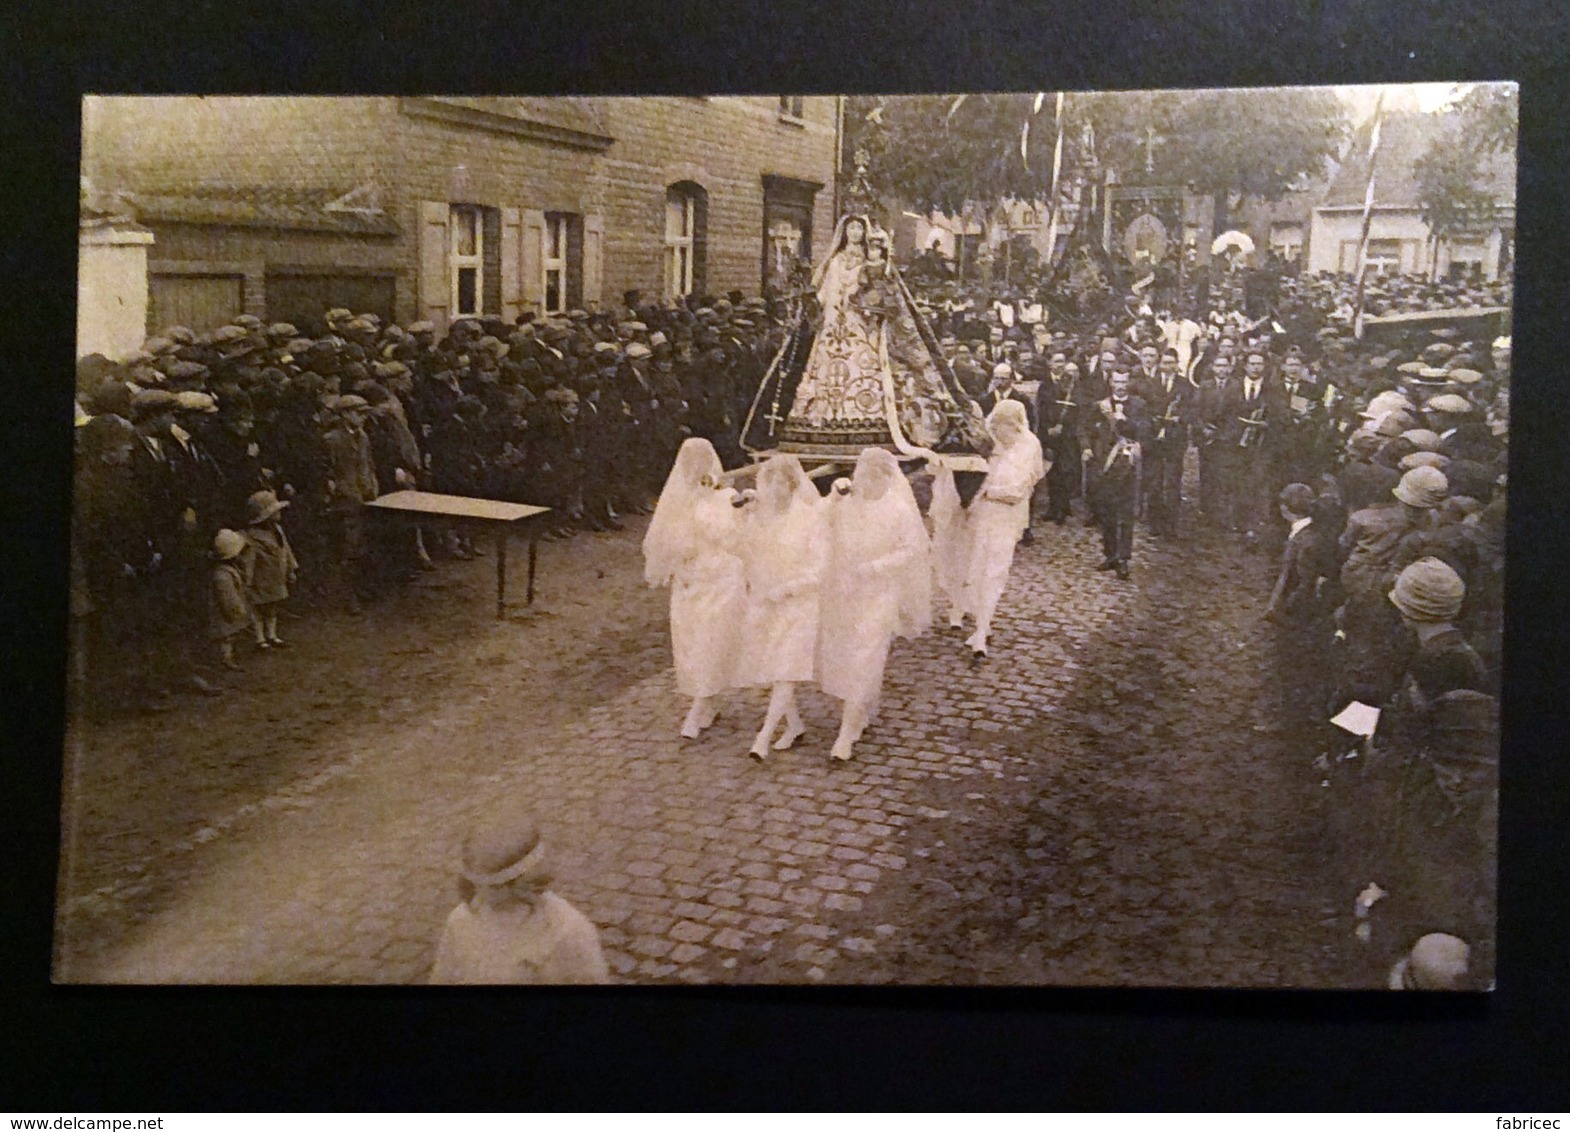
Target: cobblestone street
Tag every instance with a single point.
(304, 828)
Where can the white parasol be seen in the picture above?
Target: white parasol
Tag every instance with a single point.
(1232, 239)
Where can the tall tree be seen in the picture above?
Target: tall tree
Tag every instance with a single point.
(1451, 174)
(948, 152)
(1252, 143)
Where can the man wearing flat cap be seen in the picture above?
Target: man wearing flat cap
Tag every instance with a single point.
(351, 484)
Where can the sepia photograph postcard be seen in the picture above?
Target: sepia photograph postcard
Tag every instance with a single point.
(1047, 538)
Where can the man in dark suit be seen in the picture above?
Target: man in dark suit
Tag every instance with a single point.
(1002, 388)
(1168, 396)
(995, 349)
(1145, 375)
(1115, 431)
(1307, 449)
(1262, 416)
(1215, 404)
(1058, 405)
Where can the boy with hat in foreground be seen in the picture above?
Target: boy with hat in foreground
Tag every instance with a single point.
(229, 610)
(273, 565)
(509, 927)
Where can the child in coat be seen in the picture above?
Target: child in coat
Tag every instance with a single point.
(273, 566)
(229, 609)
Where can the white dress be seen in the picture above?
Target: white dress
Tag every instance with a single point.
(872, 548)
(708, 600)
(780, 632)
(998, 516)
(950, 538)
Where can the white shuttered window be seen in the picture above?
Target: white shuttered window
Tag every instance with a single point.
(554, 262)
(680, 228)
(466, 261)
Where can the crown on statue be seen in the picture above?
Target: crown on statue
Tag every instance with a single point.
(859, 198)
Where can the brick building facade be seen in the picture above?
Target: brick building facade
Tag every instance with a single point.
(434, 207)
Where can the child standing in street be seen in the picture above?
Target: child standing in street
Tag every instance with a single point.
(509, 927)
(229, 610)
(273, 566)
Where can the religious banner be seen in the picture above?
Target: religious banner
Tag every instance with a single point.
(1145, 226)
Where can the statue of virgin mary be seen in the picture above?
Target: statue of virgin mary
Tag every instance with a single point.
(861, 368)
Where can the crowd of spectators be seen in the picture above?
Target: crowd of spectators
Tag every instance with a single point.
(185, 440)
(1374, 466)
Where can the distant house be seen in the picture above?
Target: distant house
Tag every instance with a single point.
(437, 207)
(1019, 222)
(1400, 241)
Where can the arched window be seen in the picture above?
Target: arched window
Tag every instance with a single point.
(686, 218)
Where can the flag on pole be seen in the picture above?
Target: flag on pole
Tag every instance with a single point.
(1057, 165)
(1368, 214)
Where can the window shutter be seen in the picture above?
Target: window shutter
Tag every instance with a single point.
(435, 284)
(531, 252)
(512, 264)
(593, 259)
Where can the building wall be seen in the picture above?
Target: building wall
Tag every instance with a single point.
(725, 144)
(181, 142)
(1335, 233)
(254, 253)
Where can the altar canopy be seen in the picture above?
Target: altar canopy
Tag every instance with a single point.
(861, 368)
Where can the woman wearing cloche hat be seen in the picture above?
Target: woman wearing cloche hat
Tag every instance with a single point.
(1429, 595)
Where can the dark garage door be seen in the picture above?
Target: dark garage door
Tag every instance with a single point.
(303, 299)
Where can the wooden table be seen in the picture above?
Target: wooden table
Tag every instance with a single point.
(460, 510)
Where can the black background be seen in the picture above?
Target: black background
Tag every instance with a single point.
(90, 1049)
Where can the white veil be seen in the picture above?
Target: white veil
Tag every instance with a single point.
(1010, 427)
(911, 578)
(783, 470)
(670, 536)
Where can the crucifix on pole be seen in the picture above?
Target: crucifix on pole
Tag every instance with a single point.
(1152, 139)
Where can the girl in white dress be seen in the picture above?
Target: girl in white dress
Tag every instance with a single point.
(878, 586)
(692, 546)
(950, 543)
(784, 553)
(999, 515)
